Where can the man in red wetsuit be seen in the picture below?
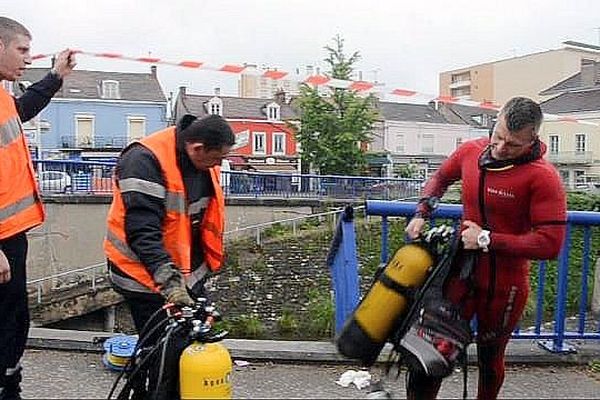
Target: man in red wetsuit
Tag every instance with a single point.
(514, 210)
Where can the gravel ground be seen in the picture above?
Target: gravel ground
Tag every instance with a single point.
(70, 375)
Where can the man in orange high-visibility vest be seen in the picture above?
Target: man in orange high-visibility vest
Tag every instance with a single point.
(20, 205)
(165, 224)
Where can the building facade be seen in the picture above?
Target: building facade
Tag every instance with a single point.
(574, 144)
(526, 75)
(420, 137)
(95, 114)
(264, 139)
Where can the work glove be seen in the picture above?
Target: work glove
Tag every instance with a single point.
(172, 285)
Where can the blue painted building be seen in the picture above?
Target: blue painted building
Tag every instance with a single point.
(95, 114)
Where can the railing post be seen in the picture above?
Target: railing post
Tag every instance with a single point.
(583, 303)
(384, 239)
(558, 345)
(539, 310)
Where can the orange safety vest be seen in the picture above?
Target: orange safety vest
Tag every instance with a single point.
(176, 226)
(20, 205)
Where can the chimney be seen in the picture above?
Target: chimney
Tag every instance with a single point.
(280, 96)
(588, 72)
(217, 91)
(182, 90)
(153, 71)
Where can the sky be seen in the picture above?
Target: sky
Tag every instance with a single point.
(404, 44)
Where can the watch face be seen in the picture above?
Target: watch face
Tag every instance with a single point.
(483, 239)
(433, 202)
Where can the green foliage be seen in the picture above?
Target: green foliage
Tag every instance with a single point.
(595, 366)
(575, 202)
(244, 326)
(407, 171)
(332, 127)
(287, 323)
(275, 230)
(321, 311)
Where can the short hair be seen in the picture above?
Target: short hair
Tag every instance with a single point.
(9, 29)
(212, 131)
(519, 112)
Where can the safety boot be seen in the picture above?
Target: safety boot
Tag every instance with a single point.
(10, 385)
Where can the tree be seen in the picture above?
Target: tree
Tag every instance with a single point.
(333, 126)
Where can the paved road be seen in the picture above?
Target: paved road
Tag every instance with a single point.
(53, 374)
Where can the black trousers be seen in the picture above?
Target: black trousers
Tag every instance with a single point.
(142, 308)
(14, 310)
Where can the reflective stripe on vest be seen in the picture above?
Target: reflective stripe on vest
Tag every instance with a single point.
(9, 132)
(174, 201)
(16, 207)
(134, 286)
(197, 206)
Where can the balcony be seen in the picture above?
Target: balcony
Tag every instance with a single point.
(95, 142)
(571, 157)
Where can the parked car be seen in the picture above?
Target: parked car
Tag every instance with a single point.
(55, 182)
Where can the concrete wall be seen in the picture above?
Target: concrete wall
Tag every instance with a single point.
(74, 230)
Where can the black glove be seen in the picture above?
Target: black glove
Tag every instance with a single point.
(172, 285)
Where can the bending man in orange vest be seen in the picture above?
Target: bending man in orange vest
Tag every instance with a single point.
(20, 205)
(166, 221)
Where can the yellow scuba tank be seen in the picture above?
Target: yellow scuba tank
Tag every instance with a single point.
(378, 314)
(366, 331)
(205, 372)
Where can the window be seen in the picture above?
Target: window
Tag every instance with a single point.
(215, 106)
(580, 142)
(462, 91)
(579, 176)
(136, 128)
(427, 143)
(400, 144)
(84, 130)
(461, 77)
(258, 140)
(273, 112)
(110, 90)
(279, 143)
(554, 145)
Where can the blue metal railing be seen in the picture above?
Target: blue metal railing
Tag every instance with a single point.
(553, 340)
(92, 177)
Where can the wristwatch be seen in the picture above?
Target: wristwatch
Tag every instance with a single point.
(430, 204)
(483, 240)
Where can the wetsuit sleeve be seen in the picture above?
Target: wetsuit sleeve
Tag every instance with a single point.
(448, 173)
(144, 209)
(548, 213)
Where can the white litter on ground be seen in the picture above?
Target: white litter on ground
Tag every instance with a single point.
(241, 363)
(361, 379)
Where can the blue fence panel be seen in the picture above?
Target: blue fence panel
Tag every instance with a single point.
(259, 184)
(82, 182)
(343, 262)
(556, 338)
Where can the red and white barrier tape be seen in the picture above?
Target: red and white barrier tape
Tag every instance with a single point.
(315, 80)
